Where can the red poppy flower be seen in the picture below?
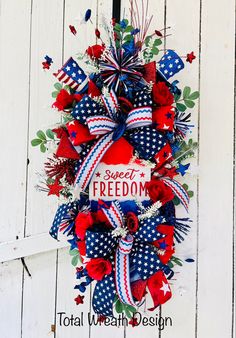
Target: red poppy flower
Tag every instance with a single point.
(190, 57)
(83, 221)
(95, 51)
(158, 191)
(98, 267)
(63, 100)
(161, 94)
(132, 222)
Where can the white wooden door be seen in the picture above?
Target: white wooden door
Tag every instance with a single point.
(203, 302)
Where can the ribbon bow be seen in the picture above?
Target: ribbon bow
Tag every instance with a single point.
(111, 128)
(135, 258)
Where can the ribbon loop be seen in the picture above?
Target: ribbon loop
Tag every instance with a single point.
(125, 244)
(111, 129)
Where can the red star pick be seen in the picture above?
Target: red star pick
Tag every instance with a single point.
(55, 188)
(190, 57)
(133, 321)
(79, 300)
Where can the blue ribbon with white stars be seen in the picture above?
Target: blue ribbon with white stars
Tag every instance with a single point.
(132, 253)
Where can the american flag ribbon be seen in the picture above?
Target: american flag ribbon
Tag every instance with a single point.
(72, 75)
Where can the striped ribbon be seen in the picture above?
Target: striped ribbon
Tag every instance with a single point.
(122, 272)
(179, 191)
(106, 126)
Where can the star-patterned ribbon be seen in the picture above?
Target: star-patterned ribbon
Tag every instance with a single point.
(132, 252)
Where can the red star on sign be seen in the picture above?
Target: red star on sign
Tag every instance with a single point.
(98, 174)
(142, 175)
(79, 300)
(55, 188)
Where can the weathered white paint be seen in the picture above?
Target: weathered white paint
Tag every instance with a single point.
(202, 303)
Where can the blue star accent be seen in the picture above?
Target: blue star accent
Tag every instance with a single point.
(169, 115)
(183, 168)
(163, 245)
(73, 242)
(73, 134)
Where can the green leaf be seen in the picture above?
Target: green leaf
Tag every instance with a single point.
(177, 97)
(42, 147)
(181, 107)
(186, 92)
(128, 313)
(170, 264)
(154, 50)
(194, 96)
(54, 94)
(66, 87)
(157, 42)
(41, 135)
(117, 27)
(147, 40)
(75, 260)
(176, 201)
(35, 142)
(128, 38)
(129, 29)
(58, 86)
(50, 134)
(73, 252)
(190, 193)
(189, 104)
(131, 308)
(119, 306)
(185, 186)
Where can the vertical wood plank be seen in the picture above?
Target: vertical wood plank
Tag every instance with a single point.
(14, 67)
(183, 17)
(216, 170)
(46, 38)
(10, 293)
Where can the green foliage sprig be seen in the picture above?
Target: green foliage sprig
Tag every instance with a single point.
(42, 139)
(120, 307)
(187, 98)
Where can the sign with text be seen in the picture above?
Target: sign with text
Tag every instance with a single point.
(120, 182)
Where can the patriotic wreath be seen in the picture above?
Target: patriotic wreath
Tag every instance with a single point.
(120, 112)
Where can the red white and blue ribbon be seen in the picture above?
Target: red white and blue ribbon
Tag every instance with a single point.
(178, 190)
(102, 125)
(122, 273)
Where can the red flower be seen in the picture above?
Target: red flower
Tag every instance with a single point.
(190, 57)
(98, 267)
(167, 172)
(161, 94)
(83, 221)
(132, 222)
(158, 191)
(95, 51)
(79, 300)
(134, 322)
(63, 100)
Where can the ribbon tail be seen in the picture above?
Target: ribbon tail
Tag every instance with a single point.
(159, 289)
(114, 214)
(122, 278)
(179, 191)
(92, 160)
(104, 295)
